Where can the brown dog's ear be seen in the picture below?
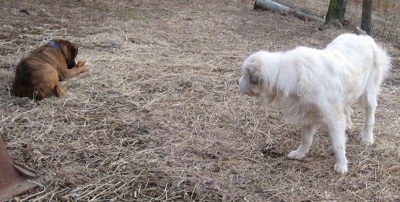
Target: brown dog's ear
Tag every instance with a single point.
(70, 52)
(255, 75)
(74, 50)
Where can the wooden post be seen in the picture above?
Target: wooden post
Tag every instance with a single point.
(366, 16)
(336, 10)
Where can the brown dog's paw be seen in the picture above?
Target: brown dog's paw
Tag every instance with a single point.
(80, 64)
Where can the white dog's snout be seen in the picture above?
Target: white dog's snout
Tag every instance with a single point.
(240, 83)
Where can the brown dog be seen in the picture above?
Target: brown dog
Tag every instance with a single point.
(37, 76)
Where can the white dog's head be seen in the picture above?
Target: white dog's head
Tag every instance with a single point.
(251, 83)
(259, 75)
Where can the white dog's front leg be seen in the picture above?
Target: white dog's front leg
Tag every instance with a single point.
(338, 137)
(307, 134)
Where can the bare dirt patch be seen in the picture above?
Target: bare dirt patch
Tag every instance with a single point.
(158, 115)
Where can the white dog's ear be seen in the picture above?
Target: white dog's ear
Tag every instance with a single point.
(256, 79)
(255, 75)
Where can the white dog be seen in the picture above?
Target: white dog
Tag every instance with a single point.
(315, 87)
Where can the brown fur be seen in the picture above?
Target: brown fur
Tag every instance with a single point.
(37, 76)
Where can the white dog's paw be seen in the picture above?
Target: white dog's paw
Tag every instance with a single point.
(341, 169)
(367, 142)
(296, 155)
(367, 139)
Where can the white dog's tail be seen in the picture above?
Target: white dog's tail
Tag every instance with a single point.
(382, 65)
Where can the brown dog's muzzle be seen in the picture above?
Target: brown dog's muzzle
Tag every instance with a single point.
(72, 64)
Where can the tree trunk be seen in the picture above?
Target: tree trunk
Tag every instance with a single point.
(336, 10)
(273, 6)
(366, 16)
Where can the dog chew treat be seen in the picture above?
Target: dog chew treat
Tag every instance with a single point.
(80, 64)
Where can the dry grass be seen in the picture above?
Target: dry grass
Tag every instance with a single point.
(158, 116)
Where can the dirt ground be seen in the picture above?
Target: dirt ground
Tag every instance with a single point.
(158, 116)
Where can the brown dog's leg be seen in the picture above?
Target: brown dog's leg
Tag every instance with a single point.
(69, 73)
(60, 90)
(44, 82)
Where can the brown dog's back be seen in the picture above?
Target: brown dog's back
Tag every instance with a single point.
(35, 79)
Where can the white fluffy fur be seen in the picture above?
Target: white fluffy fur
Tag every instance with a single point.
(316, 87)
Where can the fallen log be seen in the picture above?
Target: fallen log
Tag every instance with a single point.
(276, 7)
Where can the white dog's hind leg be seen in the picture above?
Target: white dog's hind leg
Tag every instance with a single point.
(348, 111)
(369, 102)
(307, 134)
(337, 127)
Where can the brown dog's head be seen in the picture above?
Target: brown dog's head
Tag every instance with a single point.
(70, 51)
